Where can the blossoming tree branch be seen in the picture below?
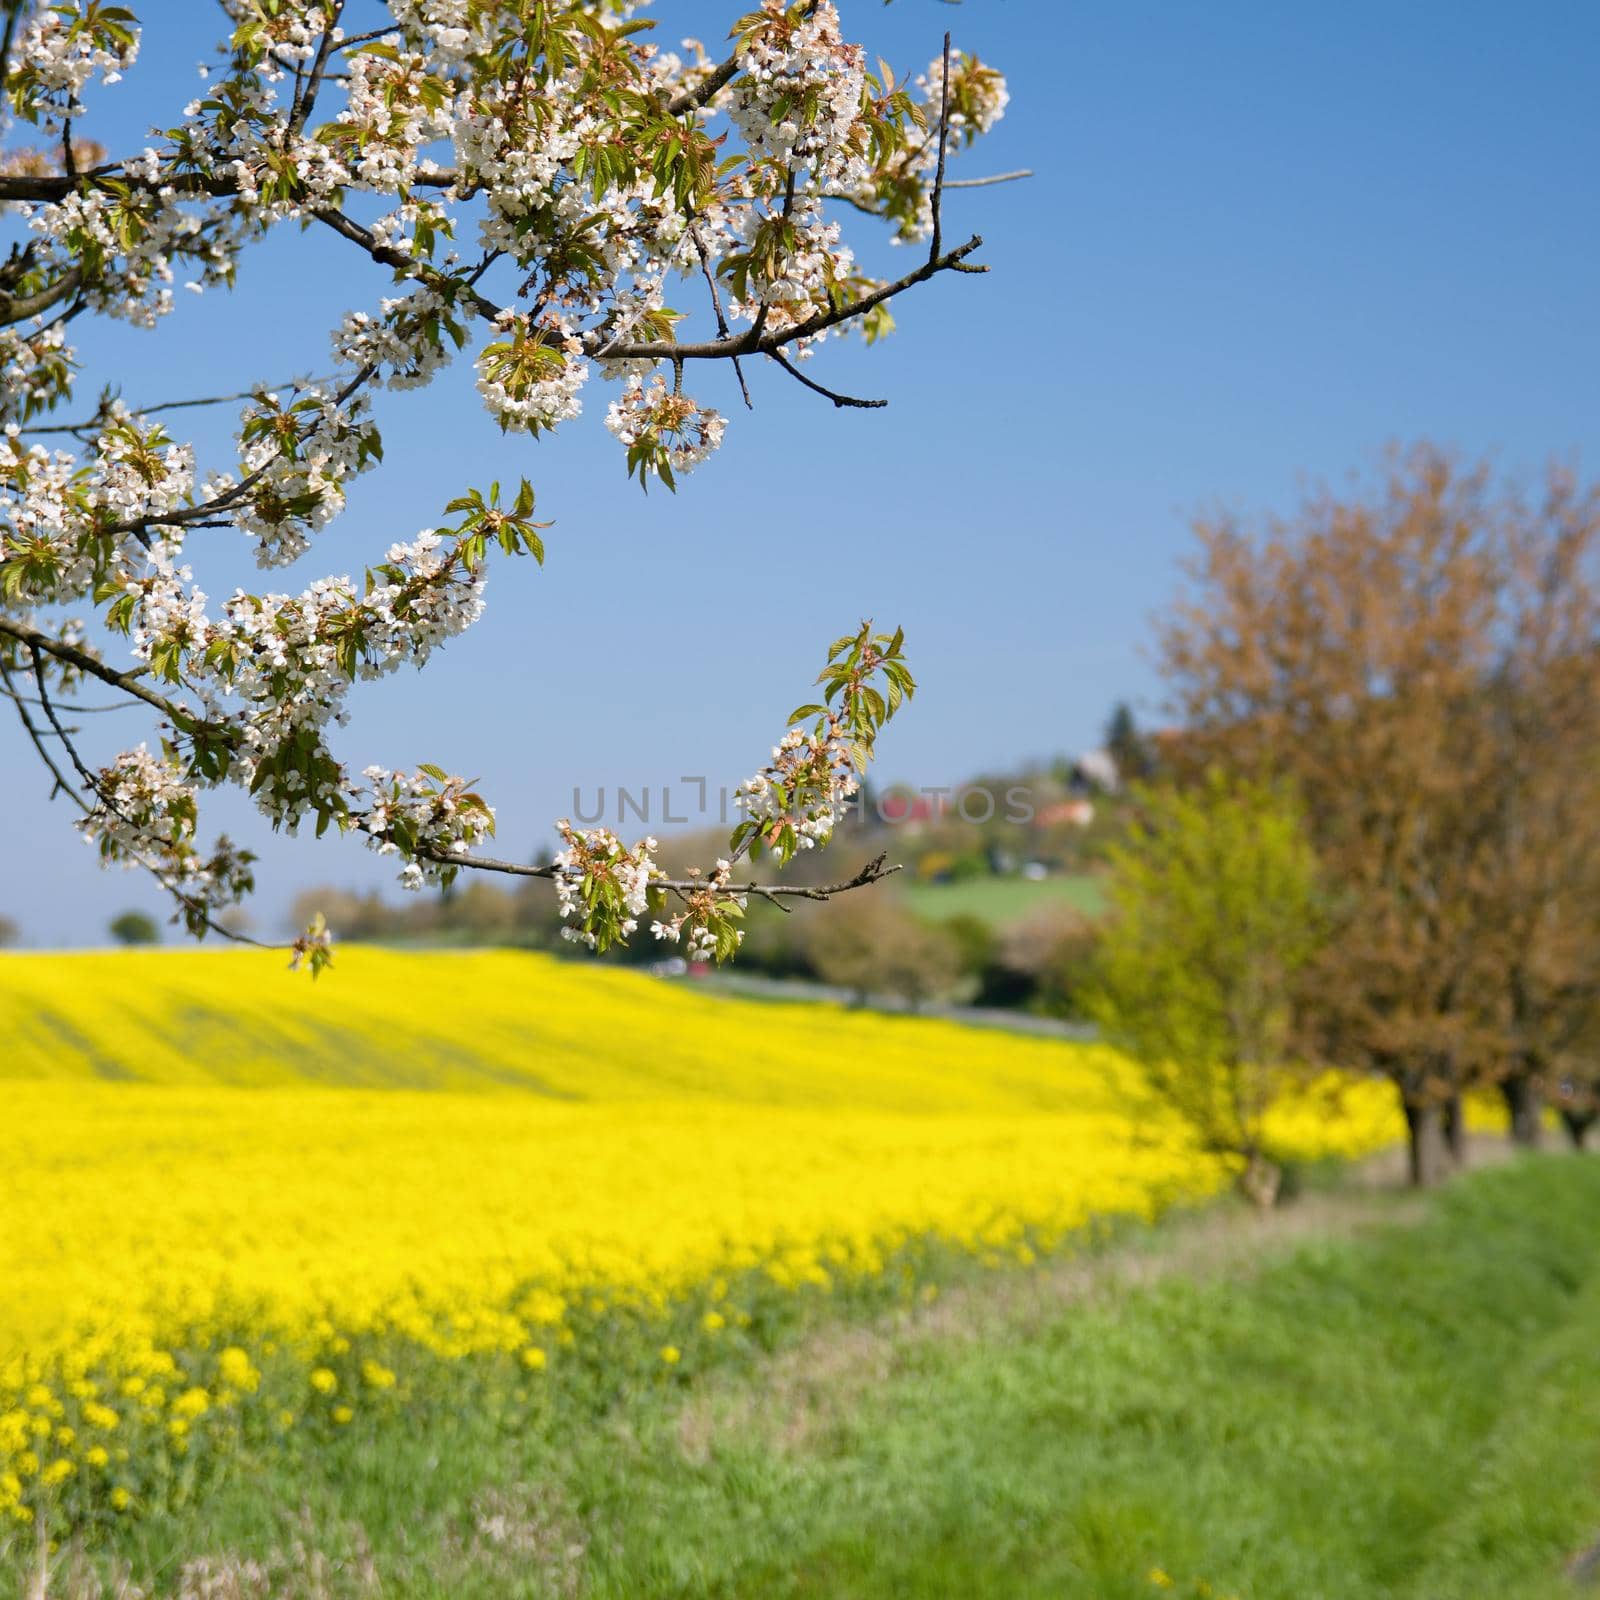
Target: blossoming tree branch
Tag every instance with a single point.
(546, 178)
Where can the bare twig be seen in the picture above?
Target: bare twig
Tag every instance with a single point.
(993, 177)
(90, 424)
(817, 388)
(722, 321)
(76, 710)
(944, 135)
(36, 735)
(355, 39)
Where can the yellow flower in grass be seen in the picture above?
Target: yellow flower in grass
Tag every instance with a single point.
(671, 1354)
(238, 1372)
(193, 1402)
(713, 1322)
(534, 1358)
(342, 1414)
(323, 1380)
(97, 1456)
(120, 1499)
(376, 1375)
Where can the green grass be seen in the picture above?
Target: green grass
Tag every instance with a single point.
(1402, 1404)
(1004, 900)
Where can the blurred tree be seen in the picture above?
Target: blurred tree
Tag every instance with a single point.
(872, 945)
(1539, 922)
(977, 946)
(1128, 746)
(1363, 649)
(1215, 915)
(1039, 962)
(10, 933)
(134, 927)
(1065, 982)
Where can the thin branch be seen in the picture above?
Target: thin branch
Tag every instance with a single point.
(994, 177)
(91, 781)
(76, 710)
(871, 873)
(19, 308)
(747, 343)
(409, 266)
(307, 98)
(817, 388)
(190, 185)
(13, 17)
(706, 90)
(94, 422)
(723, 330)
(196, 515)
(73, 655)
(36, 735)
(355, 39)
(944, 136)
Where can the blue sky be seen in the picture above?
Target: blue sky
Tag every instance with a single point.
(1261, 242)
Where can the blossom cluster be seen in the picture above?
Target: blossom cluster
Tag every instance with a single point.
(428, 817)
(145, 815)
(58, 50)
(602, 885)
(416, 335)
(530, 377)
(803, 789)
(667, 434)
(900, 188)
(35, 372)
(707, 926)
(294, 460)
(798, 98)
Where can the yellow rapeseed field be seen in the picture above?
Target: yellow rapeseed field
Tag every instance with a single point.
(236, 1203)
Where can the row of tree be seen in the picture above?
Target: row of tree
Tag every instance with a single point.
(1380, 847)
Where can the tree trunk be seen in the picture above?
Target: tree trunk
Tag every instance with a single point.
(1577, 1124)
(1455, 1129)
(1260, 1181)
(1429, 1153)
(1525, 1104)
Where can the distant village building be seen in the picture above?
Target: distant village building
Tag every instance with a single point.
(1095, 771)
(1078, 812)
